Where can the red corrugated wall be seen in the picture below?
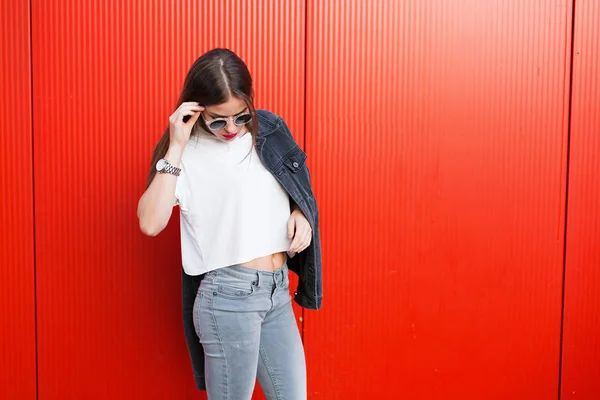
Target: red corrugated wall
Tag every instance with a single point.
(17, 281)
(107, 76)
(581, 342)
(438, 135)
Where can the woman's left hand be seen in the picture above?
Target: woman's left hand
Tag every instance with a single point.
(300, 230)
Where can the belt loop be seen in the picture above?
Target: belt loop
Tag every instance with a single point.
(276, 278)
(258, 279)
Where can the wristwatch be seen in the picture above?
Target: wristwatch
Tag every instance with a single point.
(163, 166)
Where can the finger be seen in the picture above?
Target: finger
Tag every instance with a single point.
(295, 244)
(187, 106)
(191, 107)
(193, 119)
(291, 226)
(190, 103)
(307, 238)
(300, 240)
(181, 111)
(306, 241)
(185, 110)
(187, 115)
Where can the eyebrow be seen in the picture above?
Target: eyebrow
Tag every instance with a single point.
(225, 116)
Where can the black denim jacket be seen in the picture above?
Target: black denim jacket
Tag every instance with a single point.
(282, 156)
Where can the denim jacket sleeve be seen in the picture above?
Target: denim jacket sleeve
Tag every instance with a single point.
(282, 156)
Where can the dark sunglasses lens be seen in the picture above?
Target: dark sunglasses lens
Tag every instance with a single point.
(243, 119)
(215, 126)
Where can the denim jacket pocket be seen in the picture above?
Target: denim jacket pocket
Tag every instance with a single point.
(295, 159)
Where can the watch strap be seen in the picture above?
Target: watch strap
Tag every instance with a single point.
(169, 169)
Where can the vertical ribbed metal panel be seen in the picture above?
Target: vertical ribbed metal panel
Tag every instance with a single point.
(437, 139)
(107, 75)
(17, 301)
(581, 340)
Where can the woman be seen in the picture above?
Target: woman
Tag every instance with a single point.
(246, 203)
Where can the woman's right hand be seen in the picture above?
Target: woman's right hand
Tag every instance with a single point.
(180, 131)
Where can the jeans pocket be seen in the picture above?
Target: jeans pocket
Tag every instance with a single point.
(196, 311)
(235, 292)
(234, 287)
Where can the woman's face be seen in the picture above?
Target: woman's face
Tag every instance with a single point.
(231, 110)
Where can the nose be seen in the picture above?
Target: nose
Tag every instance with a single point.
(230, 127)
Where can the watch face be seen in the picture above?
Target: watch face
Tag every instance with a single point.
(161, 164)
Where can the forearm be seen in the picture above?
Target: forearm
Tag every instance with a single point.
(156, 204)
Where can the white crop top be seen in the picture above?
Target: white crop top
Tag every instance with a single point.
(232, 208)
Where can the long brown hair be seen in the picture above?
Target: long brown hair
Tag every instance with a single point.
(214, 77)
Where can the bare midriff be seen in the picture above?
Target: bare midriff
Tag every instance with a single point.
(268, 263)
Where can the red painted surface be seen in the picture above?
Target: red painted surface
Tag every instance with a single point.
(17, 301)
(437, 140)
(107, 76)
(581, 344)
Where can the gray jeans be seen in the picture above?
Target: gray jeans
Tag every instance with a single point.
(245, 322)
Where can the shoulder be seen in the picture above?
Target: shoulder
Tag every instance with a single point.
(269, 122)
(267, 116)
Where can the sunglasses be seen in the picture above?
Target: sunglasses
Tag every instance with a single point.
(220, 123)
